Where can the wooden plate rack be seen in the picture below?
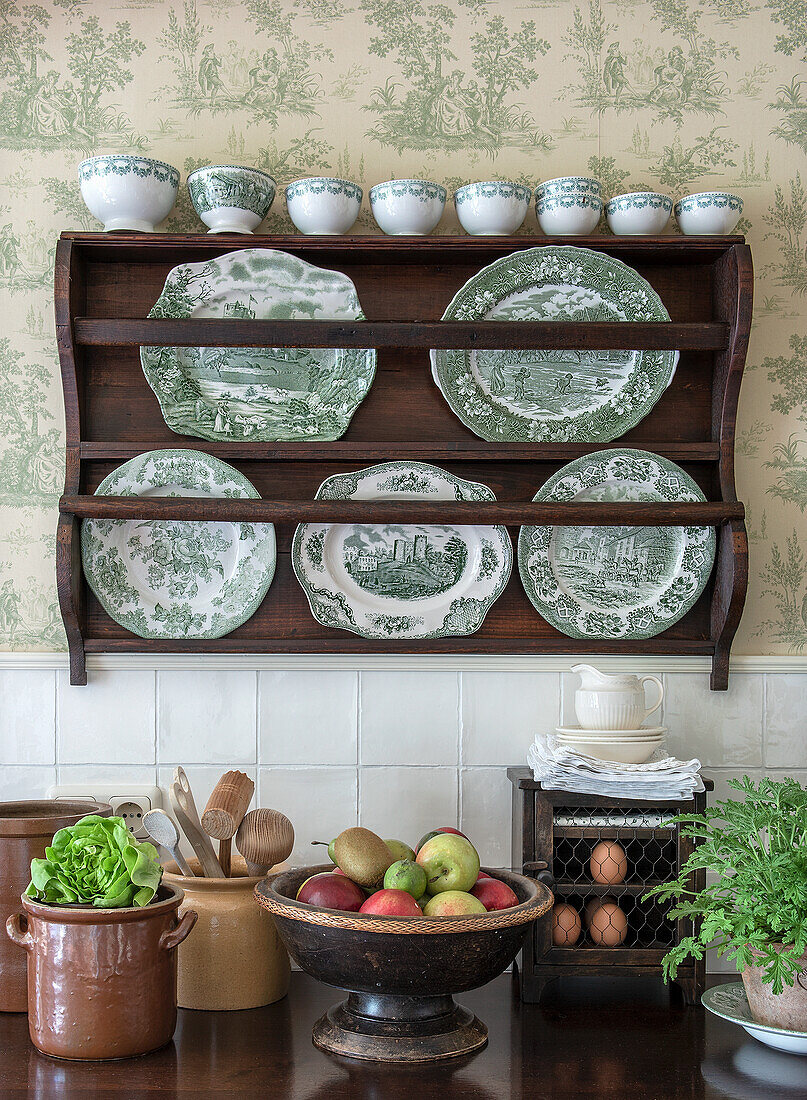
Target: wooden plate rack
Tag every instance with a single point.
(107, 283)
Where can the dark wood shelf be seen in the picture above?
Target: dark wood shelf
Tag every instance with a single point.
(595, 889)
(107, 283)
(614, 832)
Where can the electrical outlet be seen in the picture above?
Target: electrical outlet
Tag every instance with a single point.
(128, 800)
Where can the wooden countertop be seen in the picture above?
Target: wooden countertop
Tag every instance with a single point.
(604, 1040)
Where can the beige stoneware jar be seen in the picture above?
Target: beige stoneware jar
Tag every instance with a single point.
(233, 958)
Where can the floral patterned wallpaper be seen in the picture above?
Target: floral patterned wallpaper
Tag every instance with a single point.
(677, 95)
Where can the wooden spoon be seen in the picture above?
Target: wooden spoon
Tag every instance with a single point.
(163, 831)
(264, 838)
(186, 814)
(225, 811)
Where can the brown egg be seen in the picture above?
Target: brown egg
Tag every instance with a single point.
(566, 927)
(608, 925)
(591, 905)
(608, 863)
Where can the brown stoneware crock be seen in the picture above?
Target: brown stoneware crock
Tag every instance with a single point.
(25, 830)
(102, 983)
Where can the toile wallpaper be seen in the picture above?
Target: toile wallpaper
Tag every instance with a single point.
(675, 95)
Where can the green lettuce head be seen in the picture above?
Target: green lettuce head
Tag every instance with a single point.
(98, 862)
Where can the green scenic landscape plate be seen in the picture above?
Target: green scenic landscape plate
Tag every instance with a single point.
(394, 581)
(178, 579)
(561, 395)
(258, 394)
(616, 582)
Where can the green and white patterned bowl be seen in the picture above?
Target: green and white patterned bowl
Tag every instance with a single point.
(323, 205)
(407, 207)
(639, 213)
(711, 213)
(492, 208)
(128, 192)
(570, 207)
(230, 198)
(568, 185)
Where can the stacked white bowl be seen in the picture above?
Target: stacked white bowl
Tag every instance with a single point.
(611, 710)
(569, 206)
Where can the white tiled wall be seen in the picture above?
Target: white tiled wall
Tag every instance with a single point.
(397, 751)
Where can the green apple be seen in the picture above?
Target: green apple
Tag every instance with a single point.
(451, 863)
(453, 903)
(399, 850)
(406, 875)
(331, 853)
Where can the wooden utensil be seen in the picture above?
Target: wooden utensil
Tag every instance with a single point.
(163, 831)
(186, 814)
(225, 811)
(264, 838)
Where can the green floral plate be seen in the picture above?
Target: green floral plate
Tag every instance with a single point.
(393, 581)
(178, 579)
(616, 582)
(258, 394)
(558, 394)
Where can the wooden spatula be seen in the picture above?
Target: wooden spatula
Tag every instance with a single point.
(186, 814)
(264, 838)
(225, 811)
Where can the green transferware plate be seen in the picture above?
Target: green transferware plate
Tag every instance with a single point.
(731, 1003)
(396, 581)
(616, 582)
(557, 394)
(258, 394)
(174, 578)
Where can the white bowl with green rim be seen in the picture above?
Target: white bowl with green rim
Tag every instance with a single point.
(230, 198)
(407, 207)
(568, 211)
(128, 192)
(638, 213)
(323, 205)
(493, 208)
(708, 213)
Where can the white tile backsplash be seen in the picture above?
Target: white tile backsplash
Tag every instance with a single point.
(786, 721)
(110, 720)
(486, 811)
(320, 803)
(403, 803)
(25, 781)
(502, 712)
(208, 717)
(308, 717)
(720, 728)
(408, 717)
(27, 716)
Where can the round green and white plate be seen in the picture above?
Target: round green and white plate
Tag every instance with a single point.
(730, 1002)
(178, 579)
(258, 394)
(616, 582)
(562, 394)
(395, 581)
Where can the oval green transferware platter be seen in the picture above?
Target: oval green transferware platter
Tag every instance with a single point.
(258, 394)
(174, 578)
(562, 394)
(616, 582)
(401, 581)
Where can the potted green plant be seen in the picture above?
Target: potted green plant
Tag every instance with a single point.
(754, 909)
(100, 930)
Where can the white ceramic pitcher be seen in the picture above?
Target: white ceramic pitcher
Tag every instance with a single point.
(605, 702)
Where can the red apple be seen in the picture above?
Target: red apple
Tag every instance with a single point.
(436, 832)
(392, 903)
(494, 894)
(482, 875)
(453, 903)
(450, 861)
(338, 871)
(331, 891)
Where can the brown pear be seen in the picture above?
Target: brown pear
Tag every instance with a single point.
(363, 856)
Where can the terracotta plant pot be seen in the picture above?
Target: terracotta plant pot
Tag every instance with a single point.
(235, 958)
(25, 830)
(787, 1009)
(102, 983)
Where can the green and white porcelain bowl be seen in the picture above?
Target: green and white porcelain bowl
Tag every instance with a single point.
(323, 205)
(711, 213)
(568, 213)
(568, 185)
(407, 207)
(128, 192)
(229, 198)
(493, 208)
(638, 214)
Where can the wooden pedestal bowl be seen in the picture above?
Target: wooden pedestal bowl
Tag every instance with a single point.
(400, 972)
